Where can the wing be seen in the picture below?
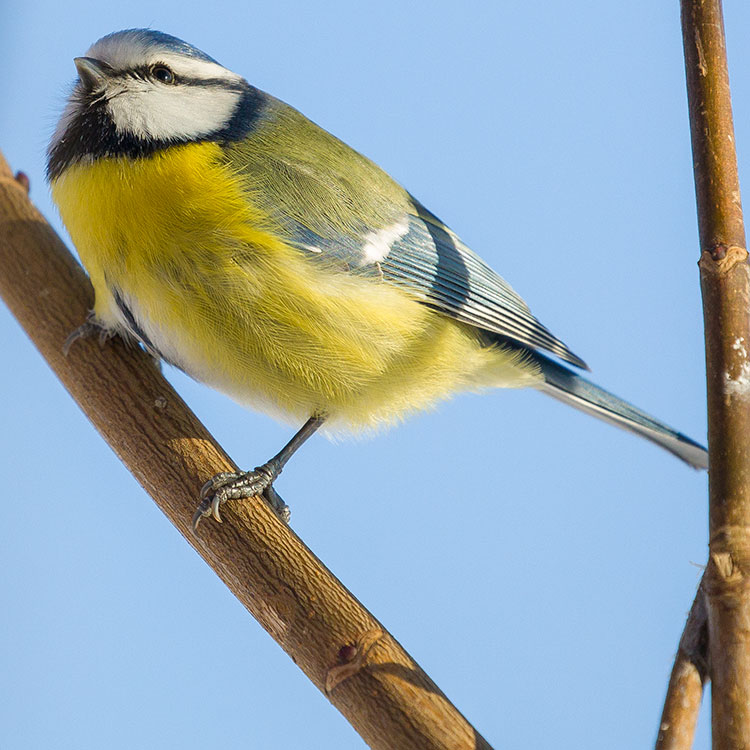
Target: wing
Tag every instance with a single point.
(338, 207)
(418, 253)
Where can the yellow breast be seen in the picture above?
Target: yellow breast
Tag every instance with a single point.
(177, 237)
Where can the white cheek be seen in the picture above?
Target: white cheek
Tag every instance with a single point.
(167, 112)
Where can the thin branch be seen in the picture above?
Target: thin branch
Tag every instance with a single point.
(689, 674)
(725, 283)
(388, 699)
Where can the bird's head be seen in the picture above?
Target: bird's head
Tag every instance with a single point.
(140, 91)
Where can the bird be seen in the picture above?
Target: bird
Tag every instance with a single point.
(235, 239)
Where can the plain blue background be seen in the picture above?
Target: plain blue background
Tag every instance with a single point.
(537, 563)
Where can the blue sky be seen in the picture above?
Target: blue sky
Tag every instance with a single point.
(537, 563)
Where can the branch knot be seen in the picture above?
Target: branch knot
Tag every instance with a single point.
(721, 259)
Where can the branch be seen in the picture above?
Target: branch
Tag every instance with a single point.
(725, 283)
(689, 674)
(340, 646)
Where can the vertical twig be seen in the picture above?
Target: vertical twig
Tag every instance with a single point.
(725, 283)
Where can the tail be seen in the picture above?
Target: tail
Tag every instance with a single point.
(571, 388)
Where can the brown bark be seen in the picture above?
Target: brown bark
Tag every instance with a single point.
(725, 283)
(685, 691)
(340, 646)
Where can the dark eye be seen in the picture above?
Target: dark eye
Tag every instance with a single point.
(162, 73)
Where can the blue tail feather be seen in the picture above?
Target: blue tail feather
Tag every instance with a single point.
(566, 385)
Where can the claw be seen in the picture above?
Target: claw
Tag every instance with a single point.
(215, 507)
(87, 329)
(206, 489)
(199, 513)
(216, 483)
(83, 331)
(234, 486)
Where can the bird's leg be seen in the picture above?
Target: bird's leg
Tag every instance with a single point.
(259, 481)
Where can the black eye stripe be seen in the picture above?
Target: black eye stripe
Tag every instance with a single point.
(222, 83)
(145, 73)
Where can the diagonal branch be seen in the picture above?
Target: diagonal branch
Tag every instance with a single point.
(689, 674)
(725, 283)
(340, 646)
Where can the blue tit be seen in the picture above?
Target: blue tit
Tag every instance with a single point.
(237, 240)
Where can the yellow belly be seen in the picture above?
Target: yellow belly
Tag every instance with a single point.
(236, 308)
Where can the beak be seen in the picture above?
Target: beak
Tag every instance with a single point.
(92, 72)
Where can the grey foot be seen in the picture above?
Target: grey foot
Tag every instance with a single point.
(90, 328)
(237, 486)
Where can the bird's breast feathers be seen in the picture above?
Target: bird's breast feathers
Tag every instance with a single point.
(181, 256)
